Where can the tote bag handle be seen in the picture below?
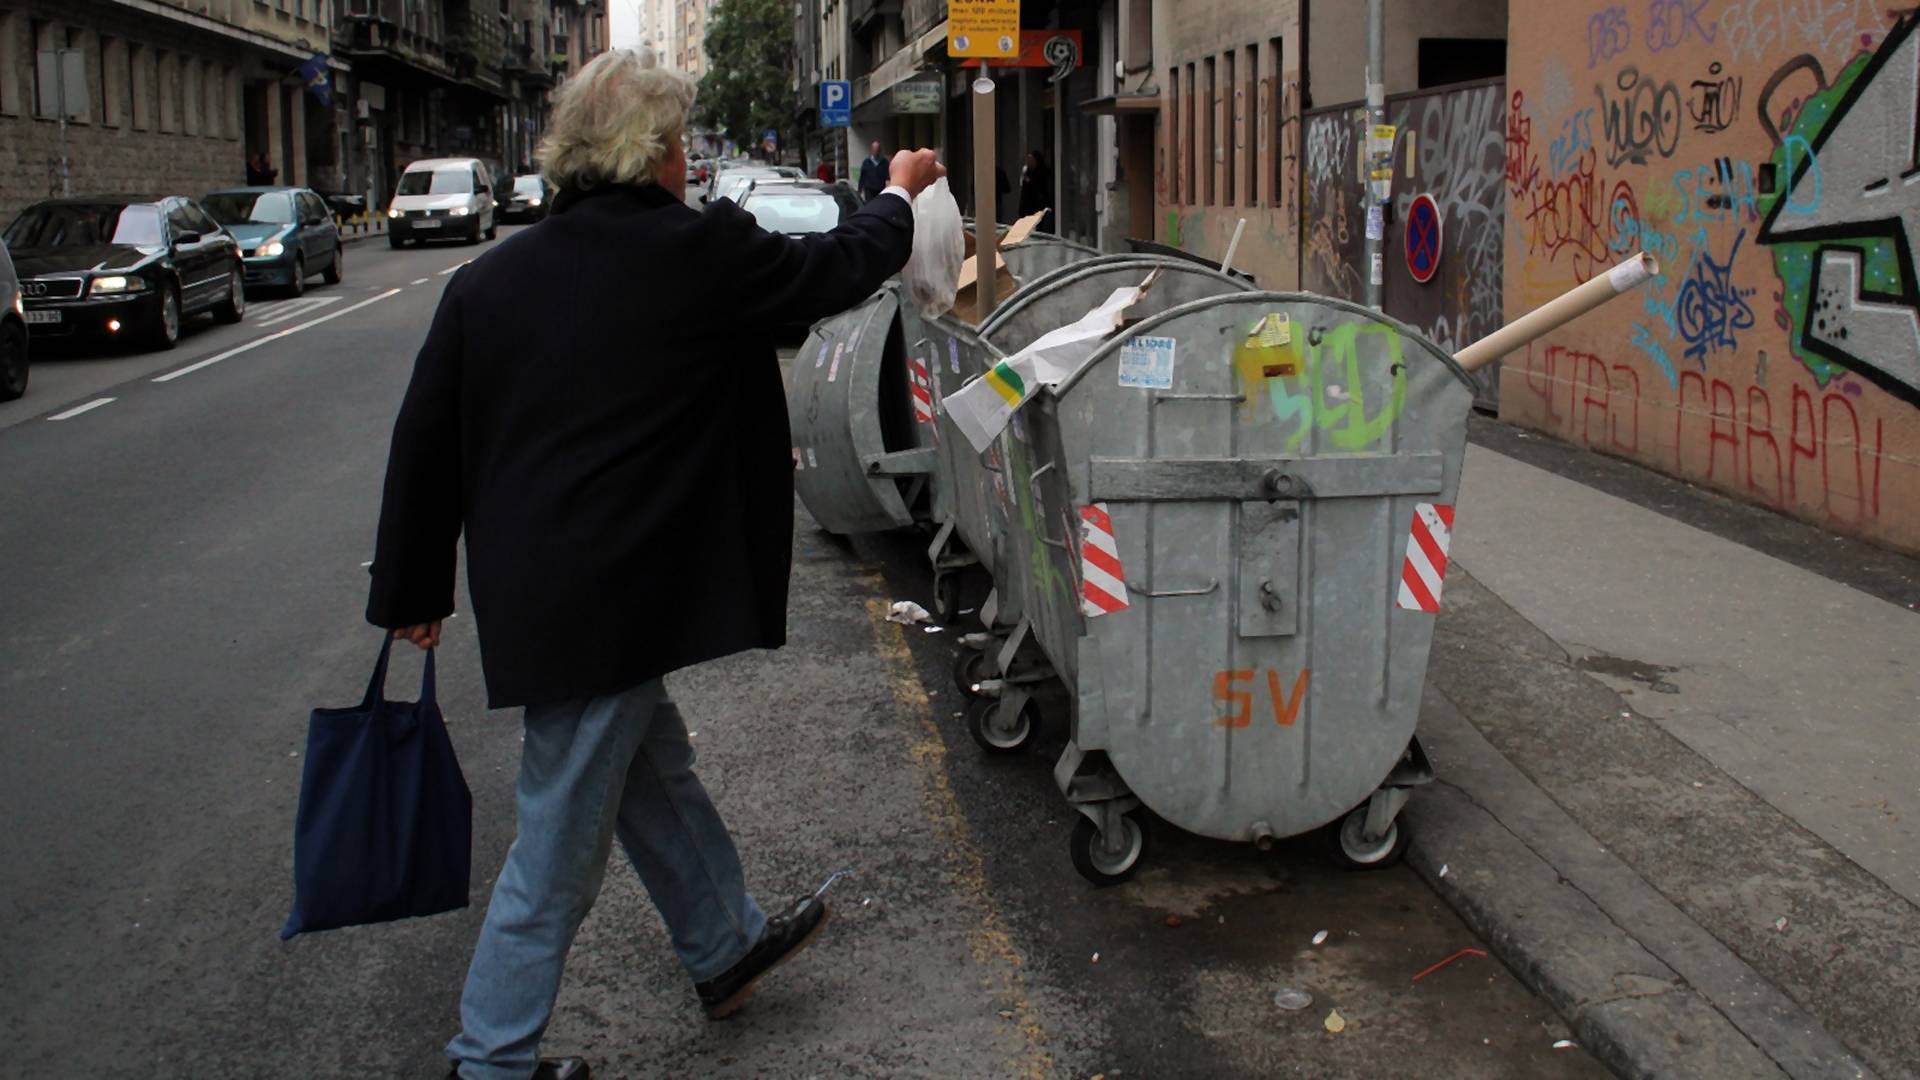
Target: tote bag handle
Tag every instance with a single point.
(377, 686)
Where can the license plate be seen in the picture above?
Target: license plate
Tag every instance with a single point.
(427, 224)
(43, 316)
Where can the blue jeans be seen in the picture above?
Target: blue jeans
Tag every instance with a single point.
(592, 769)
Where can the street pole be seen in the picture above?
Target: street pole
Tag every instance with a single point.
(1376, 116)
(986, 197)
(60, 97)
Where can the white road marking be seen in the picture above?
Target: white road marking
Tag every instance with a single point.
(275, 336)
(421, 281)
(293, 309)
(452, 268)
(78, 409)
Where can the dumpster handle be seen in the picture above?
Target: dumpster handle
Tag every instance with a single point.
(1033, 480)
(1144, 591)
(1236, 398)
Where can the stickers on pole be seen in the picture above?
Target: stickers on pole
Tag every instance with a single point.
(1103, 585)
(1147, 363)
(1380, 162)
(922, 390)
(1426, 566)
(1376, 223)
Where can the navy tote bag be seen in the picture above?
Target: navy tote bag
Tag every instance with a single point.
(385, 826)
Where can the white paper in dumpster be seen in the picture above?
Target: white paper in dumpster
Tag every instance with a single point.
(982, 408)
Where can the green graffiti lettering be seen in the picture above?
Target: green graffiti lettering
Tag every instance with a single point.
(1330, 394)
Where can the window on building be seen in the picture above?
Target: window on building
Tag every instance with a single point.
(1277, 124)
(113, 81)
(140, 86)
(1209, 129)
(1172, 157)
(1250, 127)
(1230, 98)
(1452, 60)
(214, 91)
(1190, 133)
(169, 90)
(40, 39)
(10, 67)
(233, 104)
(192, 98)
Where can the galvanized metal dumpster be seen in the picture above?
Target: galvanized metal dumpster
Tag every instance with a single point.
(1216, 567)
(861, 420)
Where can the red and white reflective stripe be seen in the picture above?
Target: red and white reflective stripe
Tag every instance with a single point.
(922, 390)
(1426, 566)
(1103, 585)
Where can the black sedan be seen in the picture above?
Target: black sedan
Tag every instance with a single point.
(530, 200)
(117, 268)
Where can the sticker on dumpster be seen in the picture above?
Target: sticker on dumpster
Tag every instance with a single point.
(1147, 363)
(1426, 565)
(1274, 329)
(813, 459)
(1103, 586)
(833, 369)
(922, 390)
(821, 360)
(953, 354)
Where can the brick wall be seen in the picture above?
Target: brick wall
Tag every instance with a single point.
(132, 141)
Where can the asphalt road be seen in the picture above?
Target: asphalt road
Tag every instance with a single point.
(181, 580)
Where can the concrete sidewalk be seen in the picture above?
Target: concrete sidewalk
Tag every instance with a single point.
(1678, 780)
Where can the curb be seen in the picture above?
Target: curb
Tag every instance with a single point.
(1477, 840)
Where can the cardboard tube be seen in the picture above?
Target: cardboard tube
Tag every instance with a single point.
(1558, 311)
(986, 196)
(1233, 245)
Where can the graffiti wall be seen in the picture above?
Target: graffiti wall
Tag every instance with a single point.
(1765, 151)
(1449, 145)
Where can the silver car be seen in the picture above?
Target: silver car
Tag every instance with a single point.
(13, 332)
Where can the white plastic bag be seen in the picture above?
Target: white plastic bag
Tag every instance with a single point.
(939, 248)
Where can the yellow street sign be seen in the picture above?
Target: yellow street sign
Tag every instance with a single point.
(984, 28)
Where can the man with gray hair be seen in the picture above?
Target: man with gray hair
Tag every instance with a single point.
(619, 461)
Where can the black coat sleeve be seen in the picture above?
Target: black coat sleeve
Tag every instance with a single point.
(773, 278)
(415, 554)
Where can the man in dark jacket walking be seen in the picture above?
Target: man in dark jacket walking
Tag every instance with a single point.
(621, 469)
(873, 173)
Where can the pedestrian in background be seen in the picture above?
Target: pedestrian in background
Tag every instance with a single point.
(825, 172)
(1036, 189)
(260, 171)
(873, 172)
(622, 472)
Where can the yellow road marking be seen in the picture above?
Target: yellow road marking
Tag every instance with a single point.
(989, 940)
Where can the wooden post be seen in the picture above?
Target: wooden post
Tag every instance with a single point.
(986, 197)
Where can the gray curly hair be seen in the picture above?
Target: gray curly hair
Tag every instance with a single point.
(615, 121)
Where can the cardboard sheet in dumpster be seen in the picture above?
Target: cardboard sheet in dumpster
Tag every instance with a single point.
(982, 408)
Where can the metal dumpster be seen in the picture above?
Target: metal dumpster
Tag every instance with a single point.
(1007, 721)
(1217, 565)
(862, 421)
(1042, 252)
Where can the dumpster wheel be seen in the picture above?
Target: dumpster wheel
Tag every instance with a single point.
(1347, 843)
(1102, 867)
(970, 669)
(995, 736)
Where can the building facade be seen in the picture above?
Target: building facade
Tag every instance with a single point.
(689, 52)
(179, 98)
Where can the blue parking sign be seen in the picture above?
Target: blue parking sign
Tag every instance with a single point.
(836, 103)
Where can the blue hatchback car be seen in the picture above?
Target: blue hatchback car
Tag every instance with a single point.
(286, 234)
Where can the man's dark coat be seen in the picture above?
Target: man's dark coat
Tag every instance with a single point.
(599, 407)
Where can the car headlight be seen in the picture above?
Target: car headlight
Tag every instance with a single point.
(533, 200)
(271, 249)
(19, 308)
(118, 283)
(393, 211)
(460, 211)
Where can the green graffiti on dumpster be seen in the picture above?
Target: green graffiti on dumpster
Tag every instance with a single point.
(1328, 390)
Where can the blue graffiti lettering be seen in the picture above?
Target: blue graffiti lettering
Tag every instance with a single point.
(1576, 134)
(1670, 22)
(1802, 197)
(1722, 191)
(1710, 309)
(1643, 340)
(1608, 35)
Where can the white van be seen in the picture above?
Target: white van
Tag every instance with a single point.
(442, 198)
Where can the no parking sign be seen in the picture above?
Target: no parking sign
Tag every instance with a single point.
(1422, 238)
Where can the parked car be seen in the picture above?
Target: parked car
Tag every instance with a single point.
(120, 267)
(13, 333)
(733, 175)
(285, 233)
(529, 199)
(442, 197)
(797, 207)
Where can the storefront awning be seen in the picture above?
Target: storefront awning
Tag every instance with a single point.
(899, 67)
(1114, 104)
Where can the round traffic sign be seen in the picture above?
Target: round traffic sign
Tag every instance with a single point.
(1423, 237)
